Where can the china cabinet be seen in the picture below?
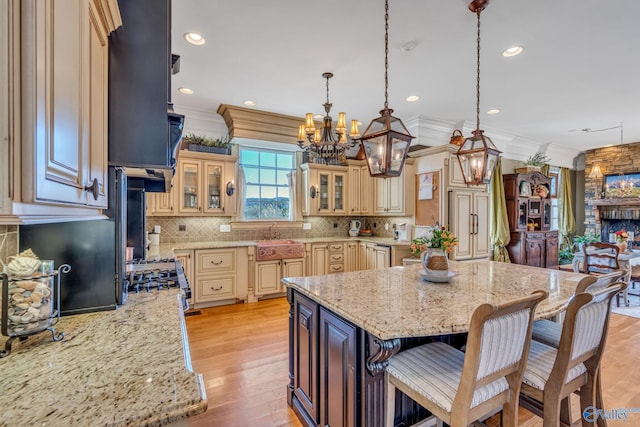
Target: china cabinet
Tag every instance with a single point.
(54, 86)
(529, 212)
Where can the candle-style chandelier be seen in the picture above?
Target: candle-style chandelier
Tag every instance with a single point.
(477, 155)
(326, 145)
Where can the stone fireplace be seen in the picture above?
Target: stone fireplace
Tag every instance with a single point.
(605, 215)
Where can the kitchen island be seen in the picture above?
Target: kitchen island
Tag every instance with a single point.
(344, 327)
(128, 367)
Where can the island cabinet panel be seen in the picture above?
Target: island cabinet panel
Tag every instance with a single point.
(337, 371)
(304, 361)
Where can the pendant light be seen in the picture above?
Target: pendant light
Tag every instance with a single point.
(478, 156)
(386, 140)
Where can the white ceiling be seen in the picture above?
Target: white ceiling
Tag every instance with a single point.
(580, 67)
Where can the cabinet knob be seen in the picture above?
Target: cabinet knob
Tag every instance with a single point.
(94, 188)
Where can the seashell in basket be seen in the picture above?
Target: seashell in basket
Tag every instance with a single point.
(23, 265)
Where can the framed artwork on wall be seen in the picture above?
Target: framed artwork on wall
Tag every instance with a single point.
(622, 185)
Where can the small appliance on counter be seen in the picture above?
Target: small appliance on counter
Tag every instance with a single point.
(354, 228)
(403, 232)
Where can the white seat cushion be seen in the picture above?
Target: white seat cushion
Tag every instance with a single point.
(539, 365)
(547, 331)
(433, 370)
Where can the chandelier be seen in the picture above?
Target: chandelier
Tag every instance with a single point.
(477, 155)
(386, 141)
(326, 145)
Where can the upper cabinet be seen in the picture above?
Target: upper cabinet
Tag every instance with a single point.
(54, 114)
(350, 190)
(199, 187)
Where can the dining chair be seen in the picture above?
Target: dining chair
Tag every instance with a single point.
(459, 388)
(600, 257)
(570, 363)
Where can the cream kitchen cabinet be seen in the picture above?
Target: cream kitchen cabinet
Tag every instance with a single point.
(376, 256)
(221, 275)
(160, 204)
(268, 274)
(360, 183)
(55, 92)
(468, 220)
(185, 257)
(324, 189)
(319, 264)
(201, 183)
(395, 196)
(352, 257)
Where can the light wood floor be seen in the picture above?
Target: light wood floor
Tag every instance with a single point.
(241, 350)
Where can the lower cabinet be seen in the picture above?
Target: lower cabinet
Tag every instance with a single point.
(269, 274)
(220, 275)
(324, 365)
(374, 257)
(534, 248)
(186, 259)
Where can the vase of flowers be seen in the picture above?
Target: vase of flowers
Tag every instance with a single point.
(621, 238)
(433, 248)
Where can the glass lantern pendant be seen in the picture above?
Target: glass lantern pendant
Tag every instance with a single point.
(386, 144)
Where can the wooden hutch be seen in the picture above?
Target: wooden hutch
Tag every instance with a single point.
(529, 212)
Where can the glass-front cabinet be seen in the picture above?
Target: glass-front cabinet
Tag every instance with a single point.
(201, 184)
(326, 192)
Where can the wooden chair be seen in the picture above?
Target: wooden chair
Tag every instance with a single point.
(459, 388)
(554, 372)
(600, 257)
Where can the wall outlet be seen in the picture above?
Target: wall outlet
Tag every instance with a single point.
(386, 225)
(182, 227)
(335, 225)
(225, 228)
(306, 226)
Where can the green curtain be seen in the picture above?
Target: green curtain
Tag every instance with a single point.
(566, 218)
(545, 169)
(499, 221)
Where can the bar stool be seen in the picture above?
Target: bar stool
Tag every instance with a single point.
(553, 372)
(459, 388)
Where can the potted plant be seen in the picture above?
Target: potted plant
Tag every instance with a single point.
(206, 144)
(534, 163)
(579, 240)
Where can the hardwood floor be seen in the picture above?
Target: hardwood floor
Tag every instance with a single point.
(241, 350)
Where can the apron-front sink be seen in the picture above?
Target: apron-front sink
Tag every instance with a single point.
(279, 249)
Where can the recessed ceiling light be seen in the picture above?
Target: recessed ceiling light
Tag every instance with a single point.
(413, 98)
(512, 51)
(249, 103)
(408, 47)
(194, 38)
(186, 90)
(493, 111)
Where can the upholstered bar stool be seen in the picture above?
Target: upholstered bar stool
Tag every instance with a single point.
(556, 369)
(459, 388)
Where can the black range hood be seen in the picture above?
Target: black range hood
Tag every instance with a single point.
(144, 131)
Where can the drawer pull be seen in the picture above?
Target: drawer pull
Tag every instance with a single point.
(336, 246)
(216, 262)
(216, 288)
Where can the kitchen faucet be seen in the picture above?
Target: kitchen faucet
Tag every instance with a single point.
(270, 235)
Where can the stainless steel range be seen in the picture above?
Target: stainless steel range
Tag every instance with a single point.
(145, 275)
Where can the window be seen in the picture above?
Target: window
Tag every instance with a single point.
(554, 174)
(266, 179)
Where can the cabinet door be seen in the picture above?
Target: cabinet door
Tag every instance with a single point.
(160, 203)
(355, 189)
(339, 181)
(98, 102)
(352, 258)
(268, 277)
(551, 251)
(190, 182)
(305, 354)
(462, 220)
(366, 196)
(362, 256)
(186, 259)
(535, 252)
(381, 195)
(324, 195)
(395, 195)
(382, 257)
(293, 267)
(213, 187)
(481, 237)
(320, 259)
(337, 371)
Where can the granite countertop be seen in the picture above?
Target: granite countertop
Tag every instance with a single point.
(125, 367)
(396, 303)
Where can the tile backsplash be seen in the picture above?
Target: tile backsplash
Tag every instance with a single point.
(194, 229)
(8, 242)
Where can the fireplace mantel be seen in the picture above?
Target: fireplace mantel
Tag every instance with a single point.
(623, 201)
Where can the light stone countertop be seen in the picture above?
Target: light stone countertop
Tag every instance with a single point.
(396, 302)
(125, 367)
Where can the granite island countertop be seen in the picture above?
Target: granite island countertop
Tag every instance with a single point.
(396, 303)
(125, 367)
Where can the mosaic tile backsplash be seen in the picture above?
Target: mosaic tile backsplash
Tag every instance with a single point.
(8, 242)
(204, 229)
